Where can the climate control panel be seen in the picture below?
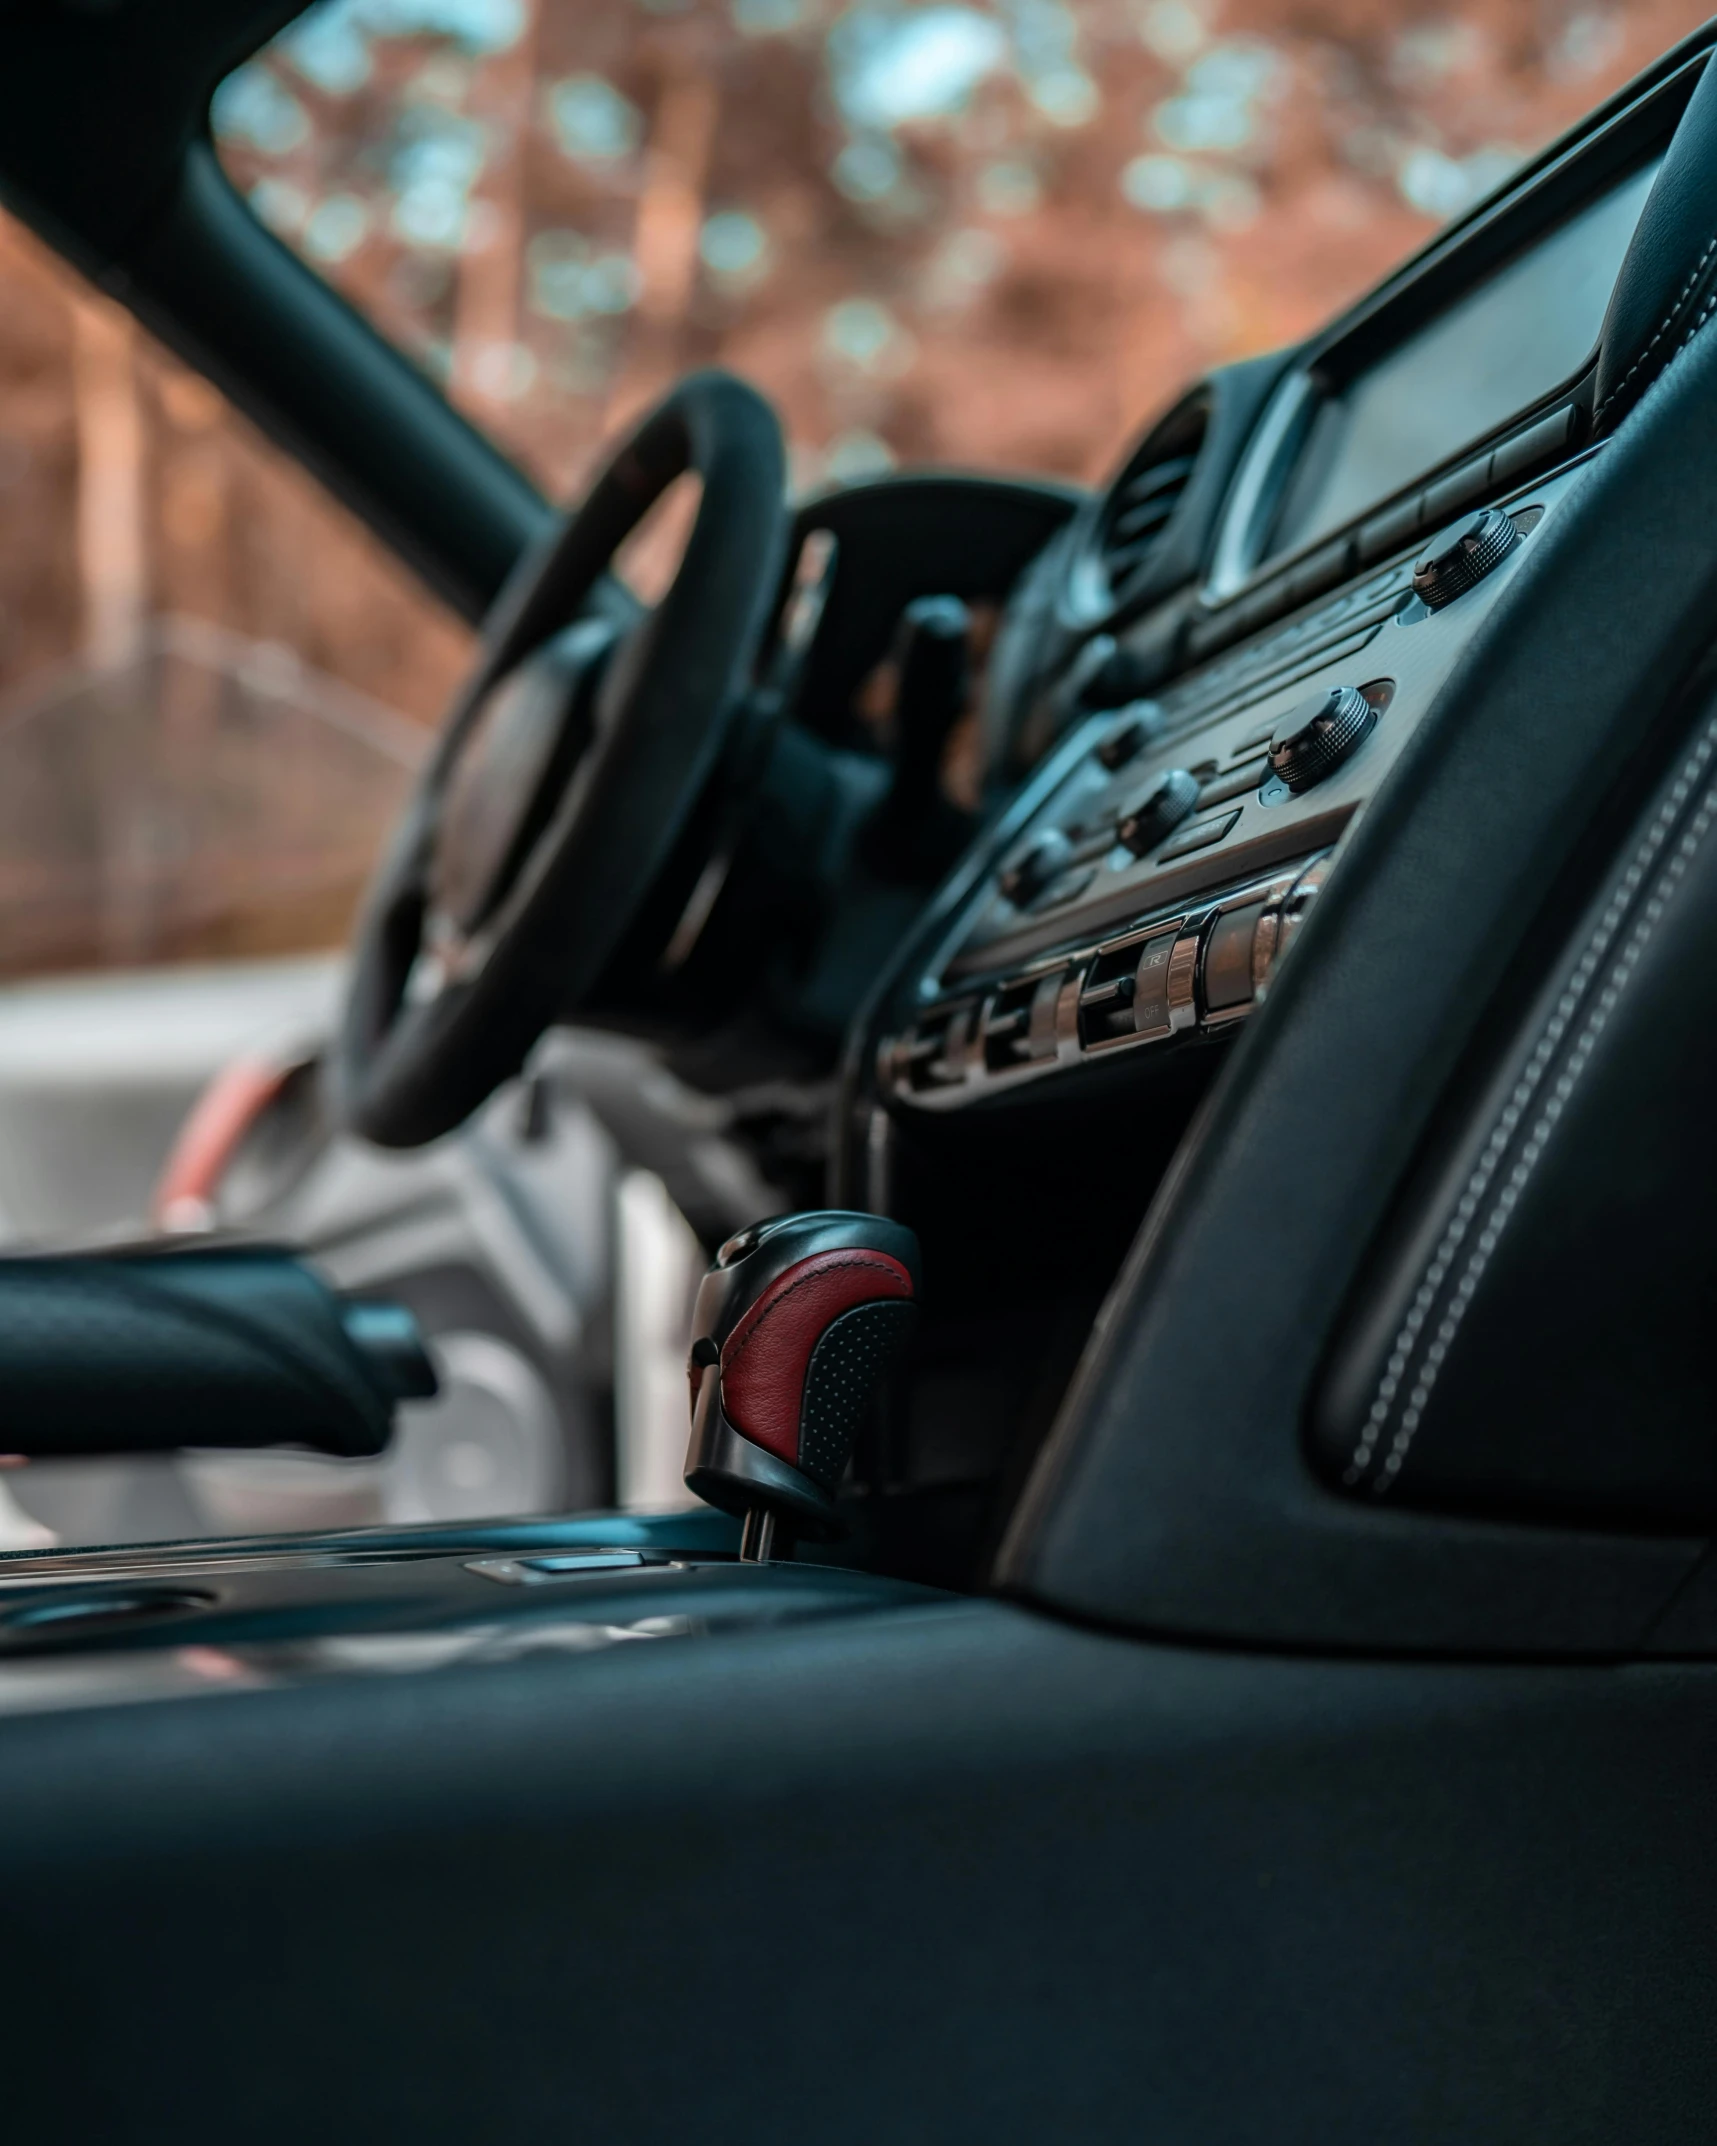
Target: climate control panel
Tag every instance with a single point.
(1157, 867)
(1202, 967)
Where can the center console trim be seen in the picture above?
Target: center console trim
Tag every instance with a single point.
(1045, 1010)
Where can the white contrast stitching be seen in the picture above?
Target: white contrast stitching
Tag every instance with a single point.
(1520, 1098)
(1663, 328)
(1693, 328)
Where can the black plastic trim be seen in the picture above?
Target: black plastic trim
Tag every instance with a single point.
(213, 284)
(104, 151)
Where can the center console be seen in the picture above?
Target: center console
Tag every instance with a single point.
(1169, 851)
(1244, 634)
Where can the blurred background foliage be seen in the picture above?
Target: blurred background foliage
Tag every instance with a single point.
(977, 232)
(970, 233)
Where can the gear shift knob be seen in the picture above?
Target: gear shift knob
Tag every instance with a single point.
(794, 1327)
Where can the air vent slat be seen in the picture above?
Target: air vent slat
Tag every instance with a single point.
(1158, 507)
(935, 1054)
(1139, 522)
(1165, 476)
(1136, 516)
(1148, 514)
(1158, 501)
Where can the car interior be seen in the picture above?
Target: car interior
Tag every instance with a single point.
(1193, 1609)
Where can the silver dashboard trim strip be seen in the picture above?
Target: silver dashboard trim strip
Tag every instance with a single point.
(1253, 491)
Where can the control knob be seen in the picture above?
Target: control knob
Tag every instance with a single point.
(1033, 869)
(1140, 724)
(1313, 739)
(1464, 561)
(1157, 811)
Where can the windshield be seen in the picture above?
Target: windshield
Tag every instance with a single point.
(992, 235)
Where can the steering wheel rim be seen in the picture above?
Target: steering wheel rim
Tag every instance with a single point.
(421, 1044)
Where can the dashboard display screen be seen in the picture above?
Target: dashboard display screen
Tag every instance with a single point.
(1528, 327)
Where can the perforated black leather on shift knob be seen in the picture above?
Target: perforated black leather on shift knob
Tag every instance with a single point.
(795, 1328)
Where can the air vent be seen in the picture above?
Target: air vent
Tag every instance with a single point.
(1106, 998)
(934, 1055)
(1019, 1024)
(1125, 994)
(1141, 503)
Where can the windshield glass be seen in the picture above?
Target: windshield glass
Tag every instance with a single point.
(989, 235)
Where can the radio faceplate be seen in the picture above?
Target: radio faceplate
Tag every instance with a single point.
(1172, 825)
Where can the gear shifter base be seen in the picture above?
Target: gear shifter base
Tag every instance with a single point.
(732, 1472)
(762, 1538)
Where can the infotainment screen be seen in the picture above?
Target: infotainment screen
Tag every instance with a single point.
(1523, 331)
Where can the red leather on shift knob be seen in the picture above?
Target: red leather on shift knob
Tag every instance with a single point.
(795, 1326)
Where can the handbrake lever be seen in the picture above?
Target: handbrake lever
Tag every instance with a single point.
(235, 1346)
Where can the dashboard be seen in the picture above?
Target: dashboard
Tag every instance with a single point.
(1203, 677)
(1238, 641)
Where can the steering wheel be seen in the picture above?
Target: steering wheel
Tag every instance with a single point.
(568, 766)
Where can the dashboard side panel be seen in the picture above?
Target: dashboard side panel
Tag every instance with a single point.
(1175, 1494)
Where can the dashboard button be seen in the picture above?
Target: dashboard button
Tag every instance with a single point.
(1063, 889)
(1451, 493)
(1280, 924)
(1313, 739)
(1183, 975)
(1388, 531)
(1203, 836)
(1129, 738)
(1151, 987)
(1528, 449)
(1228, 959)
(1464, 561)
(1034, 868)
(1157, 811)
(1045, 1003)
(1320, 570)
(1235, 783)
